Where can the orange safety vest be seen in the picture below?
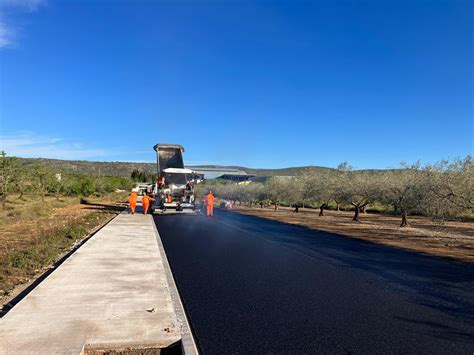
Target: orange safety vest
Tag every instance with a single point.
(146, 199)
(132, 198)
(210, 199)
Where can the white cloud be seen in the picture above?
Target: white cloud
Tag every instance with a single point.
(31, 145)
(6, 35)
(26, 5)
(9, 10)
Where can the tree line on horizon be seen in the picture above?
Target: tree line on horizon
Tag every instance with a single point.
(440, 190)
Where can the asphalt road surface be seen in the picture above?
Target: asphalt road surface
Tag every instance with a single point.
(255, 286)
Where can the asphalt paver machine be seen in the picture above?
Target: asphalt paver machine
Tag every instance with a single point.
(174, 187)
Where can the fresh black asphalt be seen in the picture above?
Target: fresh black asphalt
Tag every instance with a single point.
(255, 286)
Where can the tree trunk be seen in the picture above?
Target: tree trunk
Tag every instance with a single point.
(362, 209)
(240, 203)
(261, 204)
(404, 220)
(321, 210)
(356, 214)
(297, 209)
(337, 206)
(276, 206)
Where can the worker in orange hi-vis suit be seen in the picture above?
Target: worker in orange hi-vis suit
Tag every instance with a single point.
(132, 200)
(210, 203)
(146, 202)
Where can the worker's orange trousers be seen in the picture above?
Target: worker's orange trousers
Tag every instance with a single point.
(210, 209)
(133, 205)
(145, 208)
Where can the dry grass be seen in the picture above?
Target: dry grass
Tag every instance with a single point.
(450, 239)
(35, 234)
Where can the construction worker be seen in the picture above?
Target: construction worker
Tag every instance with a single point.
(132, 200)
(210, 203)
(161, 182)
(146, 202)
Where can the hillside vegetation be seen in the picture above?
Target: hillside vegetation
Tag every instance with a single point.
(125, 169)
(89, 167)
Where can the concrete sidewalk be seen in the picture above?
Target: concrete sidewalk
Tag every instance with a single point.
(113, 293)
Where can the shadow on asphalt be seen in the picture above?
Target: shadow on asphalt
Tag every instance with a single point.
(439, 283)
(439, 330)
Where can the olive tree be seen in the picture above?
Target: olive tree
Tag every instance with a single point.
(294, 193)
(253, 193)
(450, 187)
(8, 175)
(226, 191)
(306, 187)
(338, 180)
(43, 180)
(239, 193)
(359, 189)
(24, 181)
(322, 187)
(404, 189)
(275, 191)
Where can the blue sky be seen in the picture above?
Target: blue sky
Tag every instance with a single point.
(252, 83)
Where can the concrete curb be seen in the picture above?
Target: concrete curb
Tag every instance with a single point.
(188, 342)
(100, 300)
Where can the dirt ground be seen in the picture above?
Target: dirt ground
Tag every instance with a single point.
(20, 232)
(33, 234)
(449, 239)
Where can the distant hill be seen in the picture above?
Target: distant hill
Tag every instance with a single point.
(126, 168)
(91, 167)
(291, 171)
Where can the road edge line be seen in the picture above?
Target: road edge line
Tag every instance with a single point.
(188, 343)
